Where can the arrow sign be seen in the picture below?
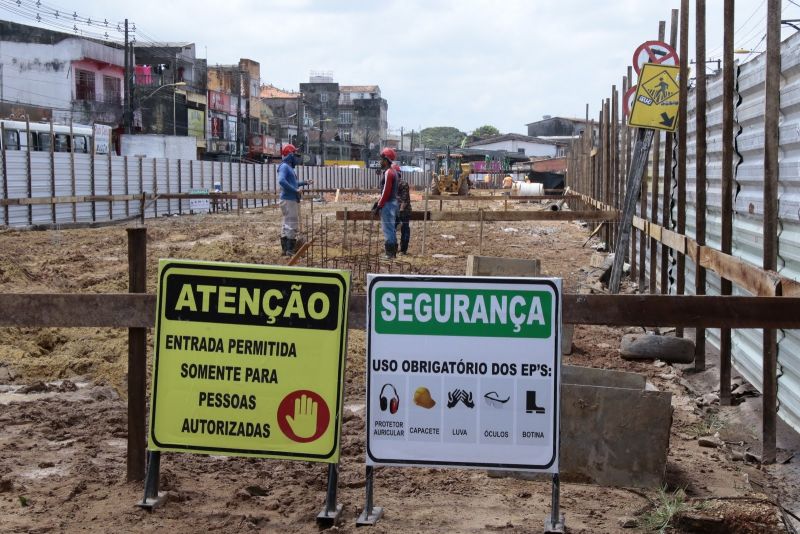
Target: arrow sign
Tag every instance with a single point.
(667, 120)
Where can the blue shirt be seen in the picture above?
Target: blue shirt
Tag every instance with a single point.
(287, 179)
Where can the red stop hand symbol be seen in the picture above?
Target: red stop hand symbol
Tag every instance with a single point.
(303, 416)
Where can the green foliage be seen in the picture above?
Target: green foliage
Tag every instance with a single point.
(706, 426)
(485, 131)
(667, 507)
(441, 136)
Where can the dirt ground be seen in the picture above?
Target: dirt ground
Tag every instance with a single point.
(63, 418)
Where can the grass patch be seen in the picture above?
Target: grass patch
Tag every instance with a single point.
(667, 506)
(707, 426)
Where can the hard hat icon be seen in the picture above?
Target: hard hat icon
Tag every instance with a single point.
(422, 397)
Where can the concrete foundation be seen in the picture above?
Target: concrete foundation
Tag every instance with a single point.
(614, 432)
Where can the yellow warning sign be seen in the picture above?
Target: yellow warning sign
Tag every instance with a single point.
(249, 360)
(656, 102)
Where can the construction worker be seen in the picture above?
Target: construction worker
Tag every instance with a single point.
(386, 205)
(403, 209)
(290, 197)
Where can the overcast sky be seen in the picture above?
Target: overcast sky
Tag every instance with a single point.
(461, 63)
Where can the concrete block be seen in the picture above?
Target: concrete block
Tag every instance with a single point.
(608, 378)
(494, 266)
(614, 432)
(649, 347)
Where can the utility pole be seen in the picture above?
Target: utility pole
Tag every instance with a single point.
(126, 106)
(300, 120)
(322, 138)
(401, 138)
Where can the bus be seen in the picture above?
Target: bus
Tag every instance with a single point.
(15, 137)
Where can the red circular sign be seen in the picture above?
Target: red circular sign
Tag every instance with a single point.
(654, 52)
(303, 416)
(627, 100)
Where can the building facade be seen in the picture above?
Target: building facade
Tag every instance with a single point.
(49, 75)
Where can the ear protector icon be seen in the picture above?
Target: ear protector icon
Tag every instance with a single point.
(391, 402)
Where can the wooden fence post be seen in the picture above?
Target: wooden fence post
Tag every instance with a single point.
(137, 359)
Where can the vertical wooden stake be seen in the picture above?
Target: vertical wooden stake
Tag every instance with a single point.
(137, 358)
(771, 170)
(480, 239)
(727, 191)
(700, 170)
(53, 216)
(29, 173)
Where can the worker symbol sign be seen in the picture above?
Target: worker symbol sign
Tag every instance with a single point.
(249, 360)
(657, 98)
(463, 372)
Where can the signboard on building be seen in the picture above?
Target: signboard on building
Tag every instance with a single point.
(102, 139)
(196, 123)
(463, 371)
(657, 98)
(249, 360)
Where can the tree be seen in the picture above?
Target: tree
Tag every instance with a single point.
(441, 136)
(484, 132)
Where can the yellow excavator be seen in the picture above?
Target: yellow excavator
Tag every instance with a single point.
(451, 175)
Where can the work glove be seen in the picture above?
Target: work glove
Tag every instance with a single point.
(375, 210)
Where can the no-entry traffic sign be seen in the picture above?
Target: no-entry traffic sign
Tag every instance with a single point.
(656, 52)
(464, 372)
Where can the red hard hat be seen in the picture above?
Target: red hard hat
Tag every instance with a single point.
(288, 149)
(389, 154)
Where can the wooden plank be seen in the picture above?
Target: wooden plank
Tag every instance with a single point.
(494, 216)
(684, 310)
(130, 310)
(66, 199)
(701, 146)
(673, 240)
(639, 223)
(78, 310)
(746, 275)
(494, 266)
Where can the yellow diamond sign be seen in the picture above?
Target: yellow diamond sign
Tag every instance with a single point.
(656, 103)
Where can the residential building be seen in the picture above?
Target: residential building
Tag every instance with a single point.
(49, 75)
(279, 108)
(343, 122)
(170, 95)
(522, 144)
(237, 122)
(556, 127)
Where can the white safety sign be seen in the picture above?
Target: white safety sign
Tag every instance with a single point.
(464, 372)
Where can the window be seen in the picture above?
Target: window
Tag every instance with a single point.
(111, 90)
(344, 135)
(11, 140)
(345, 98)
(81, 146)
(43, 142)
(62, 143)
(346, 117)
(323, 97)
(84, 85)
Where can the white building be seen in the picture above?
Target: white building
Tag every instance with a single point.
(522, 144)
(78, 79)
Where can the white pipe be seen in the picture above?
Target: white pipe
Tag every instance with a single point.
(525, 189)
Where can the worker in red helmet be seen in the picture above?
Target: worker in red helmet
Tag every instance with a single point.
(386, 205)
(290, 197)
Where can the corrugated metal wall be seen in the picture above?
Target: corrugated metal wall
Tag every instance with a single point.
(749, 209)
(129, 175)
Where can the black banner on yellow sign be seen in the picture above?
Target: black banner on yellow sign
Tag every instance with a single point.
(249, 360)
(656, 102)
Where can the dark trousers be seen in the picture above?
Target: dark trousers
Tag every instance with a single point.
(405, 230)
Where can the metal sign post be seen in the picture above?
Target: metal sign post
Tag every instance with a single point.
(638, 166)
